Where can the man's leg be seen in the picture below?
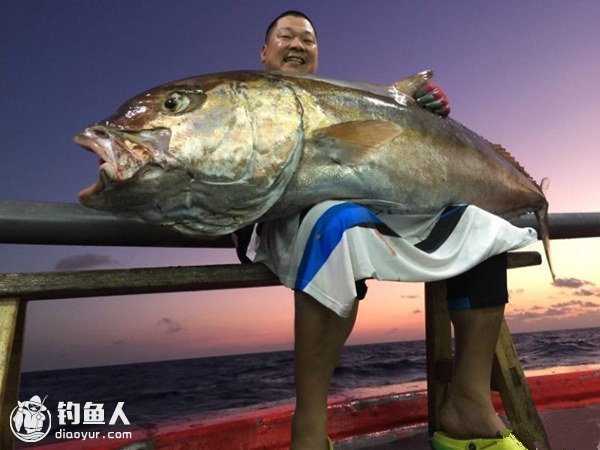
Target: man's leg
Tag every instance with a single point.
(319, 338)
(476, 301)
(467, 411)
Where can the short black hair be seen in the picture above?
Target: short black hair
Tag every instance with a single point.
(290, 12)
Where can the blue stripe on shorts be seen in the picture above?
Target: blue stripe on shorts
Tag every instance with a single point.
(326, 234)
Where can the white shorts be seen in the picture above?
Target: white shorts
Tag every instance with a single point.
(337, 243)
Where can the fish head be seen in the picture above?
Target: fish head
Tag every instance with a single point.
(204, 155)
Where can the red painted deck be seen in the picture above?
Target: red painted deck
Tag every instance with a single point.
(569, 405)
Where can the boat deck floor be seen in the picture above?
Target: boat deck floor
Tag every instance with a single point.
(567, 429)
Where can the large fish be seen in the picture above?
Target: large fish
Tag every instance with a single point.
(210, 154)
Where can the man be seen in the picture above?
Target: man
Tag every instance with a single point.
(321, 330)
(290, 45)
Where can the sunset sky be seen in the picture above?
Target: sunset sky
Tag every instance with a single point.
(522, 74)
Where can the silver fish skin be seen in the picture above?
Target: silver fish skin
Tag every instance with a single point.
(210, 154)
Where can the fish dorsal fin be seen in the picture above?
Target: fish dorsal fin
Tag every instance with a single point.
(511, 159)
(350, 142)
(413, 83)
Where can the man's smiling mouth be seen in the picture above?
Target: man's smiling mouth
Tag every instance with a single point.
(295, 59)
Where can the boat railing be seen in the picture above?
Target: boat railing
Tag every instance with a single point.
(70, 224)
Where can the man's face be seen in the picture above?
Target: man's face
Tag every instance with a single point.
(292, 46)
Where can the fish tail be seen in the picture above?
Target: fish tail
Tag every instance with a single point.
(542, 217)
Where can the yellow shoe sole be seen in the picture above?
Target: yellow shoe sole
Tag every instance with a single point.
(508, 441)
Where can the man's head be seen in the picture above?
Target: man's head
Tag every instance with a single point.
(291, 44)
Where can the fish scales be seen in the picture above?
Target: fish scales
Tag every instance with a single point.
(433, 162)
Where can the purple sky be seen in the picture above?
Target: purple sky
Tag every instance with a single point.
(522, 74)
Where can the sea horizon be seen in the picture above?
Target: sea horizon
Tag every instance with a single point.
(249, 353)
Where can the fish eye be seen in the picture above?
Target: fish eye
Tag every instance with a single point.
(176, 103)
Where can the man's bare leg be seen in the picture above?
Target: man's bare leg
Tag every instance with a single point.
(319, 338)
(467, 411)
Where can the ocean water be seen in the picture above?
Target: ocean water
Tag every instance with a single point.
(206, 387)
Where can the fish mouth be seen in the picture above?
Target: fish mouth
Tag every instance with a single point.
(94, 188)
(98, 142)
(123, 155)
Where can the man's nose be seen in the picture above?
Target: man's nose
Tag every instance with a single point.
(297, 43)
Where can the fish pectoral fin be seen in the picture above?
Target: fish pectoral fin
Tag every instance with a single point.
(413, 83)
(350, 142)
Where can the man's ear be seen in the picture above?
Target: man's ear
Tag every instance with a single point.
(263, 50)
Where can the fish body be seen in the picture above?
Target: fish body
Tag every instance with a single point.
(210, 154)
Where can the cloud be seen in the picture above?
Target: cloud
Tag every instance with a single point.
(526, 315)
(169, 325)
(576, 303)
(557, 310)
(564, 304)
(572, 283)
(587, 293)
(589, 304)
(417, 311)
(117, 342)
(528, 322)
(85, 261)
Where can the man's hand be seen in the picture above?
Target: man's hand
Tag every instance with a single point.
(433, 99)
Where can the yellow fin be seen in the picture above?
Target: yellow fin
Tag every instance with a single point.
(413, 83)
(350, 142)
